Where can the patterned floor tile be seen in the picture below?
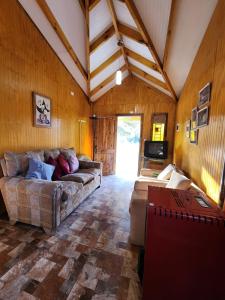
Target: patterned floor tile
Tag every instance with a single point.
(88, 258)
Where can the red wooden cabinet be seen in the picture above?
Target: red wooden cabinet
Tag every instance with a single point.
(184, 248)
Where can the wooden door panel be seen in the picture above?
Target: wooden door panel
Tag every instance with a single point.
(105, 143)
(108, 163)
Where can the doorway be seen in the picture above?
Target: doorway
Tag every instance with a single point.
(128, 145)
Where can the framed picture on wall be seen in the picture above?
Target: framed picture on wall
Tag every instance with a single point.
(205, 94)
(203, 117)
(194, 136)
(188, 128)
(41, 110)
(194, 114)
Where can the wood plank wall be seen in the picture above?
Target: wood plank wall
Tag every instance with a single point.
(204, 162)
(133, 96)
(27, 63)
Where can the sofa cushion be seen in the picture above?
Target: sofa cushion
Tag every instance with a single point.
(40, 170)
(78, 177)
(39, 155)
(16, 163)
(166, 173)
(54, 153)
(178, 181)
(57, 174)
(3, 167)
(93, 171)
(143, 183)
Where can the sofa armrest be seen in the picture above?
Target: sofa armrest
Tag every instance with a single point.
(35, 201)
(142, 185)
(149, 172)
(85, 164)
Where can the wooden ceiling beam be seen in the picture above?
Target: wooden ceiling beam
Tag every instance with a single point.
(118, 35)
(52, 20)
(87, 45)
(169, 31)
(146, 37)
(144, 61)
(93, 3)
(107, 81)
(152, 87)
(82, 5)
(148, 77)
(102, 39)
(106, 63)
(130, 33)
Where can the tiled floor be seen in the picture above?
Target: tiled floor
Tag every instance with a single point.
(88, 258)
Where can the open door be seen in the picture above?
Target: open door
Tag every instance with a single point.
(105, 143)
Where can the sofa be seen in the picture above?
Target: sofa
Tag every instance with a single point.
(45, 203)
(170, 177)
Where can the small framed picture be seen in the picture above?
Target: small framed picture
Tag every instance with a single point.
(194, 136)
(41, 110)
(203, 117)
(204, 95)
(188, 128)
(194, 113)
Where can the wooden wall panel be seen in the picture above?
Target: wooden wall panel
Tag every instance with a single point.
(27, 63)
(134, 96)
(204, 162)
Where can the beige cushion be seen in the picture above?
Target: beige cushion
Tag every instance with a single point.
(178, 181)
(16, 163)
(54, 153)
(3, 167)
(166, 173)
(38, 155)
(143, 183)
(92, 171)
(78, 177)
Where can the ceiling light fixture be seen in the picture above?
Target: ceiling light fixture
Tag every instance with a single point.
(118, 77)
(120, 43)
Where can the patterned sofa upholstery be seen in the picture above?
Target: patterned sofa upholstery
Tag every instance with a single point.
(47, 203)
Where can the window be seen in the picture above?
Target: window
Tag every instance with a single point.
(159, 126)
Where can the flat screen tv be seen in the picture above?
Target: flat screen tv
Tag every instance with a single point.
(156, 150)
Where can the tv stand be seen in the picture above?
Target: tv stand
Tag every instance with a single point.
(153, 163)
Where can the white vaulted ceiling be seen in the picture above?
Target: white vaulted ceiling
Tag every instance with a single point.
(160, 39)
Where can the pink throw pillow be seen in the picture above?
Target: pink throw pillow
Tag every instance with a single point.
(74, 163)
(64, 165)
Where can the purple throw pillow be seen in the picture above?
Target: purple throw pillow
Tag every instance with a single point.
(74, 163)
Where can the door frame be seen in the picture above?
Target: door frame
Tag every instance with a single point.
(141, 115)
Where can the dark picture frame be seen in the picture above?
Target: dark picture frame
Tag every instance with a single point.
(194, 136)
(205, 94)
(203, 117)
(42, 109)
(194, 116)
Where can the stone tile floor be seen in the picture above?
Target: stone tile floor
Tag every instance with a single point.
(89, 257)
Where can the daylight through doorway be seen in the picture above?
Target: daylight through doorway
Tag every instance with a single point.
(128, 146)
